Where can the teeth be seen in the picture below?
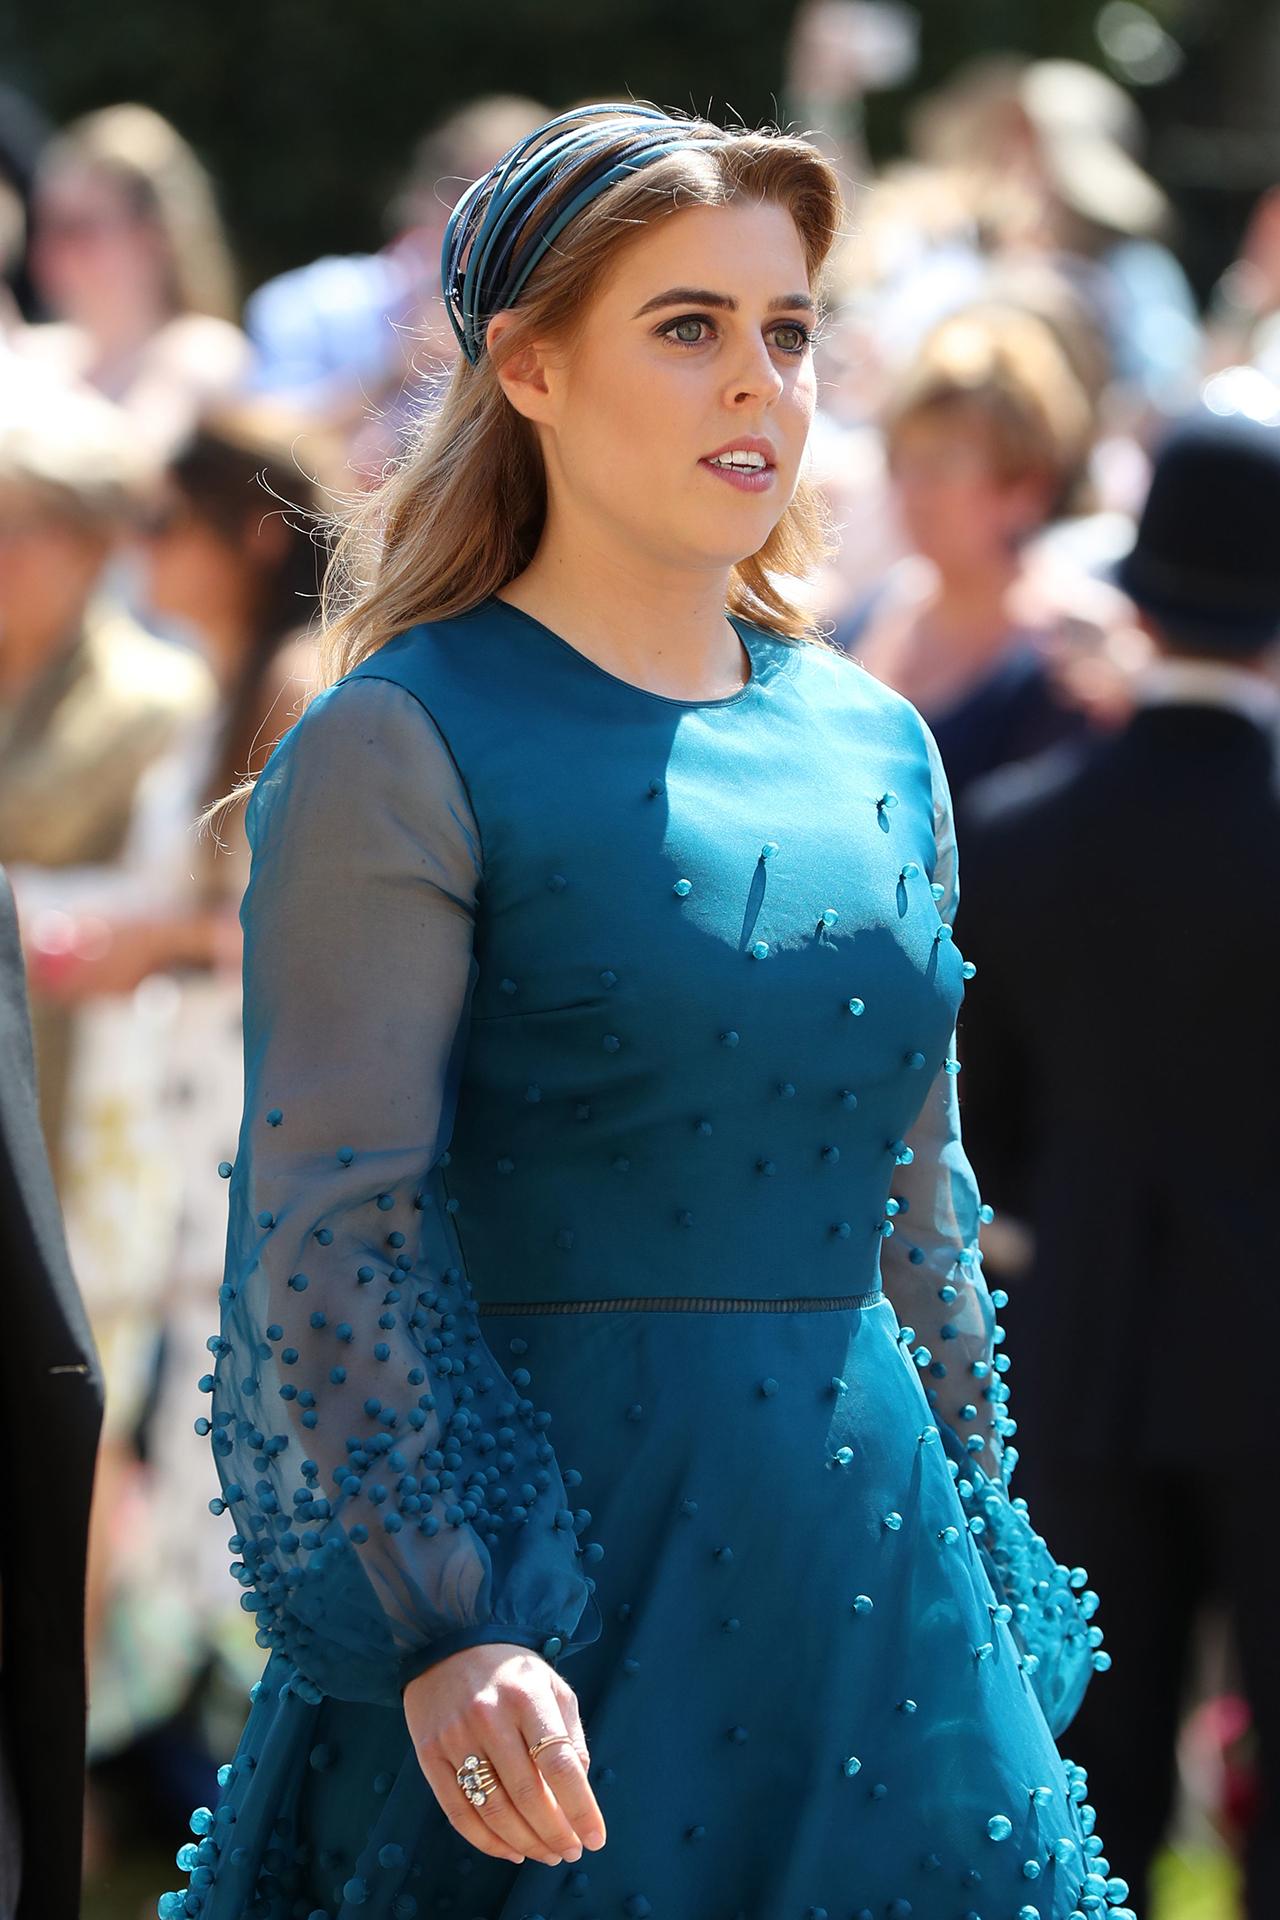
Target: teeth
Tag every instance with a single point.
(752, 462)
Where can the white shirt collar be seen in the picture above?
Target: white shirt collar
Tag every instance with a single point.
(1214, 683)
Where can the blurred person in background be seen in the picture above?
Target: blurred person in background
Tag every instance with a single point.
(339, 338)
(987, 436)
(1118, 1103)
(920, 253)
(872, 329)
(153, 958)
(50, 1412)
(88, 698)
(1243, 315)
(1051, 151)
(129, 255)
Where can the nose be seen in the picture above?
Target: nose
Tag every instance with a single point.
(754, 378)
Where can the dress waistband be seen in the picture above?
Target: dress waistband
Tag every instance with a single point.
(683, 1303)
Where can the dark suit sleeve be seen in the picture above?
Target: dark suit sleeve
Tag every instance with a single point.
(50, 1410)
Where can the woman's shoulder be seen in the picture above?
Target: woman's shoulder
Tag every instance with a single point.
(362, 761)
(361, 713)
(391, 699)
(850, 684)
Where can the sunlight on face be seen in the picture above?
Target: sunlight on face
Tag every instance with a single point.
(698, 341)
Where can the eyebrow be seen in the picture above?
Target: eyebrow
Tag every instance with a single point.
(704, 297)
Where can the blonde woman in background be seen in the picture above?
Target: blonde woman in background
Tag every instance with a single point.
(129, 253)
(987, 433)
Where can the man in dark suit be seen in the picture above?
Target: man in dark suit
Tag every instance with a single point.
(1120, 1045)
(50, 1413)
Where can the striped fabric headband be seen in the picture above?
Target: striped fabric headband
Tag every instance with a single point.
(495, 238)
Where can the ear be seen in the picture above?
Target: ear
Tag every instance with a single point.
(523, 374)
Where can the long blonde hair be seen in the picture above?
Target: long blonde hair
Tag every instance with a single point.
(158, 173)
(462, 510)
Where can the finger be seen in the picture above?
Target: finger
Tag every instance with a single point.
(458, 1810)
(473, 1823)
(531, 1793)
(568, 1700)
(518, 1816)
(564, 1773)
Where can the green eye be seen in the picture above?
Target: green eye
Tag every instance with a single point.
(798, 338)
(687, 331)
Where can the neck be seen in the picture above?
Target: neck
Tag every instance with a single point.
(119, 331)
(971, 609)
(661, 626)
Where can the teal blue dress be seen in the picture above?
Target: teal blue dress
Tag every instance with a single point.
(603, 1275)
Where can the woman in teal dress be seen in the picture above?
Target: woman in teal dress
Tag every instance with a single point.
(608, 1403)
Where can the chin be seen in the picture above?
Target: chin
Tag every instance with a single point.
(732, 537)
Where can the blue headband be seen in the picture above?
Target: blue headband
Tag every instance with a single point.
(487, 223)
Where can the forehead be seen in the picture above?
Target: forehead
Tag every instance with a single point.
(77, 186)
(750, 249)
(953, 420)
(40, 508)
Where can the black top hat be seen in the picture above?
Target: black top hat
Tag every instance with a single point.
(1206, 561)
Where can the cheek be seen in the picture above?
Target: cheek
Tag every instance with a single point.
(15, 569)
(802, 398)
(183, 573)
(53, 267)
(36, 571)
(653, 399)
(633, 419)
(920, 500)
(990, 515)
(945, 505)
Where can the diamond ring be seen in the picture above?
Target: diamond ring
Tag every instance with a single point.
(476, 1778)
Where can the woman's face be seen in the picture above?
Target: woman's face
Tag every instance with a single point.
(192, 572)
(91, 252)
(49, 564)
(675, 423)
(956, 508)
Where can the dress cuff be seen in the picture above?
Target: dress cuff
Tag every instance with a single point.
(413, 1664)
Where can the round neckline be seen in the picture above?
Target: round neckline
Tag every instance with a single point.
(741, 627)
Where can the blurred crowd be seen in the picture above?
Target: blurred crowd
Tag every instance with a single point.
(1009, 328)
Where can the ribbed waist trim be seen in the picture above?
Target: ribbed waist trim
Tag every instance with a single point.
(684, 1303)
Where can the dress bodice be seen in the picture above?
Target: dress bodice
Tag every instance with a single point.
(711, 992)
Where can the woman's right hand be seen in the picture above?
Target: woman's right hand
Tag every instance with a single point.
(498, 1700)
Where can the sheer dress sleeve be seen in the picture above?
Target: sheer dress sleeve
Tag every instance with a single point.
(395, 1494)
(932, 1270)
(932, 1263)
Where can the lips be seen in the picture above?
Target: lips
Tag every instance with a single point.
(746, 443)
(751, 476)
(749, 463)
